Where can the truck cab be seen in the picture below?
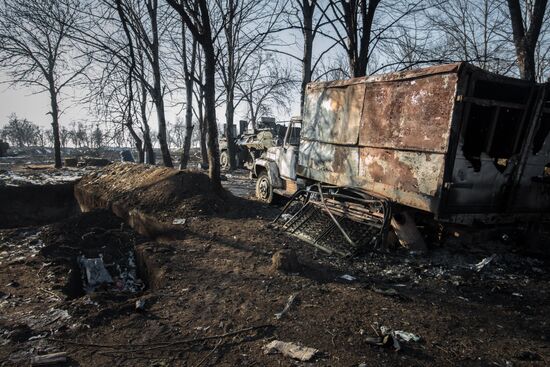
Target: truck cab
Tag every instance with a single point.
(276, 169)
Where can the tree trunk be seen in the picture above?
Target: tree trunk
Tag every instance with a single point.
(203, 134)
(210, 117)
(158, 96)
(55, 126)
(149, 151)
(230, 84)
(188, 123)
(187, 71)
(165, 151)
(307, 12)
(229, 115)
(526, 63)
(148, 145)
(137, 141)
(525, 42)
(367, 10)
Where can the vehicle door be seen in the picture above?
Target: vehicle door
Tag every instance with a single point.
(289, 157)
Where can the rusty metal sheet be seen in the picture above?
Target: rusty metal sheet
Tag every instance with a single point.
(337, 164)
(414, 177)
(332, 115)
(401, 75)
(410, 114)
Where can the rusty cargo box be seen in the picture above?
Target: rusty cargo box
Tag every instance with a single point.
(452, 140)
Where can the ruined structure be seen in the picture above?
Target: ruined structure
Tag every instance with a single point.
(452, 140)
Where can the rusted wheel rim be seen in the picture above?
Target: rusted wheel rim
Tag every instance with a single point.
(223, 160)
(264, 187)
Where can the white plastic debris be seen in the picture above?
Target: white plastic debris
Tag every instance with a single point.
(406, 336)
(483, 263)
(95, 271)
(291, 350)
(286, 216)
(179, 221)
(140, 305)
(348, 277)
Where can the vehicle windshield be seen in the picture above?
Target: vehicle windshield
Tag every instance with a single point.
(293, 137)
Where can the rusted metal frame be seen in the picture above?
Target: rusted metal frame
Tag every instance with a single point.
(287, 205)
(527, 116)
(390, 77)
(385, 204)
(344, 233)
(324, 233)
(356, 217)
(528, 141)
(490, 102)
(494, 122)
(313, 208)
(296, 223)
(459, 123)
(318, 245)
(352, 210)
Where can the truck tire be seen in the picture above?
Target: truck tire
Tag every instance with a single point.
(224, 159)
(264, 188)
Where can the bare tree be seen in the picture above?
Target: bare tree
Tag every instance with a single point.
(246, 28)
(20, 132)
(267, 85)
(196, 16)
(526, 29)
(310, 16)
(147, 34)
(187, 53)
(36, 49)
(355, 18)
(466, 30)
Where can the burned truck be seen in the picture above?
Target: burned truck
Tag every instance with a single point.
(452, 141)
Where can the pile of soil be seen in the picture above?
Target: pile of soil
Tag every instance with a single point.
(157, 191)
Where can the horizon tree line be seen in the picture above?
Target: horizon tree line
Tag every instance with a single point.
(135, 58)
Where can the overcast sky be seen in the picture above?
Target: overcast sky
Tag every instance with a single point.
(27, 104)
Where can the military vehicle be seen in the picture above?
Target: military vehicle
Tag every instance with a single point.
(252, 143)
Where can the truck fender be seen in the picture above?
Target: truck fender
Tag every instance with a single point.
(272, 171)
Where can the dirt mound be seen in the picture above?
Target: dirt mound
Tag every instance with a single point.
(158, 191)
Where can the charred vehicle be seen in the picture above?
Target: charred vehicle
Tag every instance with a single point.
(252, 143)
(452, 141)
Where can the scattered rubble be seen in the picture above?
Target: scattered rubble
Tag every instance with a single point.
(291, 350)
(191, 300)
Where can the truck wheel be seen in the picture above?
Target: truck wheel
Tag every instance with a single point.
(264, 189)
(224, 159)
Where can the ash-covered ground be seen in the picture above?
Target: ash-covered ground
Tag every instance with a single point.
(229, 285)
